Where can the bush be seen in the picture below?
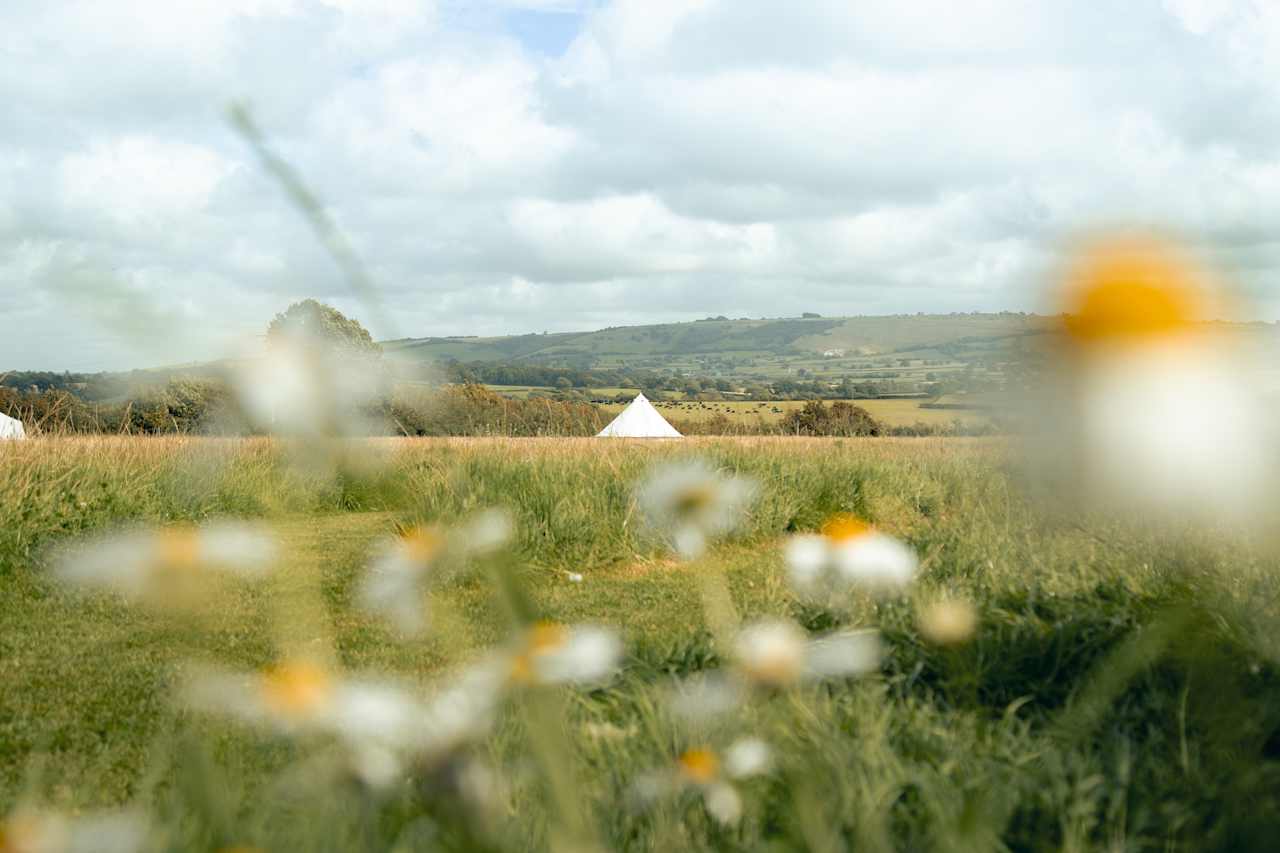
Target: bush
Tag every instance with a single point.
(475, 410)
(840, 419)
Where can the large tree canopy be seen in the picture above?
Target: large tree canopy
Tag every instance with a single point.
(325, 324)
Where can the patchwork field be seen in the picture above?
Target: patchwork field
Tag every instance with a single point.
(893, 412)
(1119, 690)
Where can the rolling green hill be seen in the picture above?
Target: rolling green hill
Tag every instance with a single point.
(740, 347)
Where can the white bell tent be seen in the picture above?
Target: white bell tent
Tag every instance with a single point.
(11, 428)
(639, 420)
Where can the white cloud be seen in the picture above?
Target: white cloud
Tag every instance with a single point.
(680, 158)
(141, 180)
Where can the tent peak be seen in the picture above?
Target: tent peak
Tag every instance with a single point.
(639, 420)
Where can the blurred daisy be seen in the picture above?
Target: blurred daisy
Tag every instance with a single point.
(712, 774)
(947, 621)
(29, 831)
(304, 387)
(303, 697)
(1159, 415)
(780, 654)
(463, 710)
(849, 553)
(437, 738)
(394, 584)
(155, 561)
(487, 531)
(551, 653)
(691, 503)
(774, 654)
(402, 567)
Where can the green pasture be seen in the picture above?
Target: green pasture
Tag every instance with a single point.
(1120, 693)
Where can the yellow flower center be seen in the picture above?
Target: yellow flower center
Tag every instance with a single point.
(699, 765)
(543, 638)
(178, 548)
(1129, 293)
(694, 500)
(843, 527)
(422, 544)
(295, 688)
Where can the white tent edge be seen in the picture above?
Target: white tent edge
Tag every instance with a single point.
(11, 428)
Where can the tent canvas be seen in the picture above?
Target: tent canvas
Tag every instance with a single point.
(10, 428)
(639, 420)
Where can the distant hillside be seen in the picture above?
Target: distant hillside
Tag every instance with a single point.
(948, 336)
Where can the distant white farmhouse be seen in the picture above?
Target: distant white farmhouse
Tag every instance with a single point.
(11, 428)
(833, 353)
(639, 420)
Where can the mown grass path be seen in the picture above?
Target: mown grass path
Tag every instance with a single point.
(89, 679)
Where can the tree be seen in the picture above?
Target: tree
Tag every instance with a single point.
(324, 324)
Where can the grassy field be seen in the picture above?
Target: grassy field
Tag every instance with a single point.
(1120, 691)
(893, 412)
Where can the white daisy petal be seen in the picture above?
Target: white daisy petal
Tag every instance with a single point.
(702, 696)
(723, 803)
(807, 557)
(876, 561)
(375, 765)
(842, 654)
(689, 542)
(747, 757)
(771, 653)
(243, 548)
(373, 713)
(488, 531)
(589, 655)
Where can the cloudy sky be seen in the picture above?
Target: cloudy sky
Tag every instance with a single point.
(527, 165)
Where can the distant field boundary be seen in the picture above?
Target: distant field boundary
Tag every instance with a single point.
(970, 407)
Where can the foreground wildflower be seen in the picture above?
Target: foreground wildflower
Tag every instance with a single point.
(435, 746)
(849, 553)
(27, 831)
(306, 386)
(304, 697)
(773, 655)
(486, 532)
(780, 654)
(712, 774)
(158, 561)
(394, 583)
(691, 503)
(401, 569)
(551, 653)
(1159, 414)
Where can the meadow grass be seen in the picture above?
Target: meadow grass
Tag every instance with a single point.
(1120, 692)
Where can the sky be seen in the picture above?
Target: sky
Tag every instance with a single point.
(508, 166)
